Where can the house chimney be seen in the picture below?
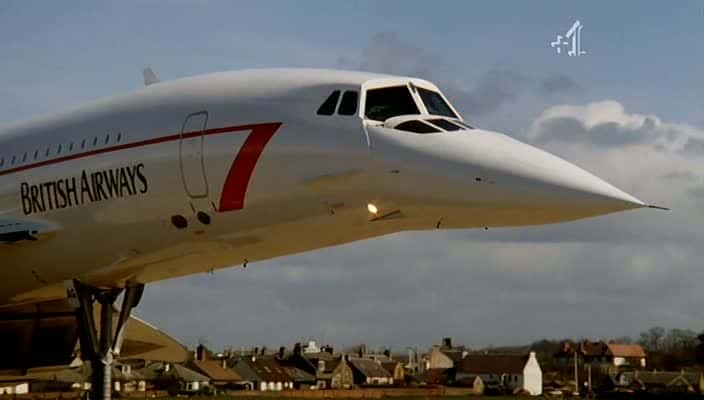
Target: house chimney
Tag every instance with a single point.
(447, 342)
(200, 353)
(282, 351)
(223, 363)
(297, 349)
(387, 353)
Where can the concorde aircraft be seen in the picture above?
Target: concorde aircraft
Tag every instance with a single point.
(227, 169)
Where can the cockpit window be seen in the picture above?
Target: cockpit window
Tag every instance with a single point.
(416, 127)
(328, 106)
(382, 104)
(348, 105)
(445, 124)
(435, 104)
(466, 125)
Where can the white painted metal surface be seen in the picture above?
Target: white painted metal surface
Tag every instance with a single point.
(103, 186)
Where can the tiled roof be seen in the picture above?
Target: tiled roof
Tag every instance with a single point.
(267, 369)
(243, 368)
(298, 375)
(389, 366)
(626, 350)
(158, 371)
(492, 364)
(370, 368)
(215, 371)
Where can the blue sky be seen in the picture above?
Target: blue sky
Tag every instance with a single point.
(646, 53)
(625, 272)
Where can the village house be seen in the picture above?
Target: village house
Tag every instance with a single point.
(269, 376)
(217, 371)
(174, 378)
(444, 355)
(513, 372)
(605, 356)
(626, 355)
(301, 377)
(125, 379)
(44, 379)
(660, 381)
(331, 371)
(369, 372)
(395, 368)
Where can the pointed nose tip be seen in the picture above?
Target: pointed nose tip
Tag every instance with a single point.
(569, 187)
(577, 188)
(600, 191)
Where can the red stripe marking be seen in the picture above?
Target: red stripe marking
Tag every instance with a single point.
(237, 181)
(142, 143)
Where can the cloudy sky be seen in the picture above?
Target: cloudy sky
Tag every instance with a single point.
(631, 110)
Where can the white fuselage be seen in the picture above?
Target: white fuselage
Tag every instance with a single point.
(244, 160)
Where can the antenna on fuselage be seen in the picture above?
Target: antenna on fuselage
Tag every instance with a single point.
(150, 77)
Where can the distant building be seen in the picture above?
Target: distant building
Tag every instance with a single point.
(311, 347)
(396, 369)
(510, 371)
(217, 371)
(174, 378)
(601, 354)
(445, 355)
(270, 375)
(370, 372)
(626, 354)
(330, 371)
(661, 381)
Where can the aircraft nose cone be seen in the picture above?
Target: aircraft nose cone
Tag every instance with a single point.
(554, 182)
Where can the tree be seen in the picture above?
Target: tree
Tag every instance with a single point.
(623, 340)
(652, 338)
(699, 350)
(681, 341)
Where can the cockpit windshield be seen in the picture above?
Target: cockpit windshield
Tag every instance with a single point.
(435, 104)
(384, 103)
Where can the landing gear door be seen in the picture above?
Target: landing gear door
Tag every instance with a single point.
(191, 156)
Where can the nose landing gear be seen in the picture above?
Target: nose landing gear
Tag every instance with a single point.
(99, 343)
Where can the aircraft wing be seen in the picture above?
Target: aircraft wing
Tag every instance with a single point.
(46, 334)
(17, 229)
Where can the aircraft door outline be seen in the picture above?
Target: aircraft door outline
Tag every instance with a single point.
(191, 155)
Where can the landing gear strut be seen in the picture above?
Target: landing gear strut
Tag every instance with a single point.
(99, 344)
